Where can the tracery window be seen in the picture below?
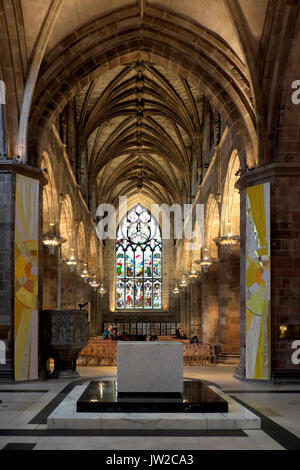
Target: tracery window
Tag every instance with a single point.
(138, 261)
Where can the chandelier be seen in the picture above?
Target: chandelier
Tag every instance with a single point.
(193, 274)
(94, 283)
(85, 274)
(72, 262)
(176, 290)
(205, 263)
(102, 290)
(183, 283)
(51, 239)
(228, 241)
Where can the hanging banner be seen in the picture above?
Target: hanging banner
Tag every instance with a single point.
(26, 279)
(258, 288)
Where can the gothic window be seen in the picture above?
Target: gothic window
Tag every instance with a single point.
(138, 261)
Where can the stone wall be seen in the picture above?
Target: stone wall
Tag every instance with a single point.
(217, 315)
(210, 310)
(7, 214)
(62, 187)
(229, 302)
(285, 268)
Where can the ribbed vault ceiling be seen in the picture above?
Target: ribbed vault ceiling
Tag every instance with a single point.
(136, 125)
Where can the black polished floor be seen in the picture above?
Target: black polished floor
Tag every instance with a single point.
(103, 396)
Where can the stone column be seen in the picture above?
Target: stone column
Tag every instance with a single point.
(100, 315)
(195, 306)
(240, 371)
(7, 212)
(176, 307)
(68, 287)
(229, 301)
(82, 291)
(49, 275)
(93, 321)
(181, 306)
(186, 310)
(3, 140)
(209, 305)
(284, 179)
(8, 181)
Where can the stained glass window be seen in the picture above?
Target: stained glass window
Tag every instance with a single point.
(138, 261)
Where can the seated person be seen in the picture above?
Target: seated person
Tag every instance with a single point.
(106, 333)
(177, 333)
(180, 335)
(194, 339)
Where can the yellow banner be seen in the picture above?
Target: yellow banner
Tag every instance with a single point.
(258, 291)
(26, 278)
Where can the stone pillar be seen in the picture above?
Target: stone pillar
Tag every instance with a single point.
(68, 287)
(210, 305)
(27, 305)
(195, 306)
(229, 301)
(186, 310)
(284, 182)
(100, 317)
(7, 213)
(178, 311)
(3, 139)
(94, 314)
(175, 301)
(82, 291)
(285, 270)
(240, 371)
(49, 274)
(181, 308)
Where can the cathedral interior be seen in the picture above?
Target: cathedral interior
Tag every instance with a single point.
(176, 104)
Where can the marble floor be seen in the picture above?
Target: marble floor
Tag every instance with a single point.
(24, 408)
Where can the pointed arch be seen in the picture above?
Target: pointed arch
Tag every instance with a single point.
(212, 226)
(230, 215)
(66, 226)
(50, 197)
(93, 254)
(81, 243)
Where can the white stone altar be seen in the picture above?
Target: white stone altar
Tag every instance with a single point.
(150, 367)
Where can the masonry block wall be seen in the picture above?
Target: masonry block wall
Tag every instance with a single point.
(210, 308)
(7, 260)
(285, 269)
(241, 369)
(218, 312)
(229, 302)
(63, 185)
(49, 276)
(7, 214)
(195, 306)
